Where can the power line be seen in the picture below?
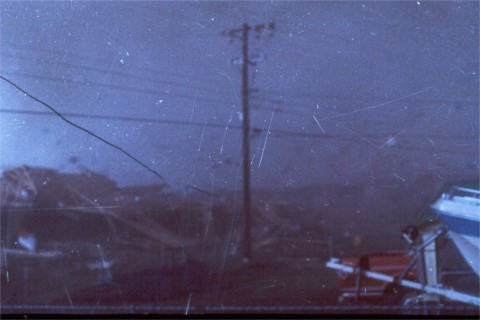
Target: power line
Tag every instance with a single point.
(118, 88)
(340, 98)
(120, 118)
(255, 130)
(15, 46)
(118, 73)
(276, 94)
(82, 128)
(265, 93)
(142, 90)
(153, 92)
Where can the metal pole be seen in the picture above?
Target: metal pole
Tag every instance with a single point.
(452, 294)
(246, 147)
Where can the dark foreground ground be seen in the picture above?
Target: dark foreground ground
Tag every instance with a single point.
(153, 257)
(268, 285)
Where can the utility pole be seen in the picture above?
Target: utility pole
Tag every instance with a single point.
(247, 246)
(234, 33)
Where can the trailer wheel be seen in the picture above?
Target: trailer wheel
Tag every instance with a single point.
(403, 298)
(414, 303)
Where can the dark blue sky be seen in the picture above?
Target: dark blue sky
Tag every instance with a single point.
(352, 92)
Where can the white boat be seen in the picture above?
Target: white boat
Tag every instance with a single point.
(459, 210)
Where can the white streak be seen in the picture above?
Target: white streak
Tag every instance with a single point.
(43, 254)
(68, 295)
(270, 286)
(259, 141)
(392, 138)
(226, 128)
(6, 262)
(224, 74)
(193, 110)
(100, 265)
(198, 153)
(266, 138)
(315, 118)
(111, 45)
(377, 106)
(396, 175)
(361, 137)
(105, 264)
(188, 304)
(201, 138)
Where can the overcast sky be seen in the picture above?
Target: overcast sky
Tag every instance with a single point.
(351, 92)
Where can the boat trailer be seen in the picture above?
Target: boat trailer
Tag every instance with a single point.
(425, 259)
(334, 263)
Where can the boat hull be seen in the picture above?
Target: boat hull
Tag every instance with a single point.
(469, 248)
(461, 217)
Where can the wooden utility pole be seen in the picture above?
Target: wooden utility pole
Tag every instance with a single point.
(247, 245)
(243, 34)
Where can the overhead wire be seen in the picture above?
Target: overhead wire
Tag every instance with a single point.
(189, 18)
(260, 99)
(255, 130)
(120, 118)
(82, 128)
(258, 103)
(255, 105)
(278, 97)
(195, 86)
(93, 61)
(279, 133)
(114, 87)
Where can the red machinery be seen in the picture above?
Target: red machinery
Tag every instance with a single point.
(357, 288)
